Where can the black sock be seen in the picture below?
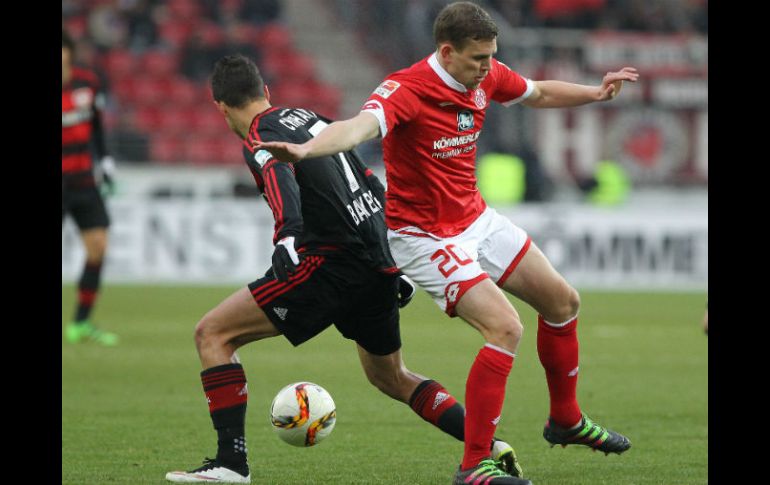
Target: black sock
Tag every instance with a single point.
(88, 288)
(226, 391)
(435, 405)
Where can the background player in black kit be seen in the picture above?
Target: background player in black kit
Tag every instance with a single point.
(331, 265)
(82, 142)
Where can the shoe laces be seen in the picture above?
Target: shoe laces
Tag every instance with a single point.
(208, 464)
(491, 467)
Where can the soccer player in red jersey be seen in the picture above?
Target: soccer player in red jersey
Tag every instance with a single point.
(445, 238)
(331, 266)
(82, 138)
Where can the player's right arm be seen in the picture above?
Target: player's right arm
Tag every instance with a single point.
(340, 136)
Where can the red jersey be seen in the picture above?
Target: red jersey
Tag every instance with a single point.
(80, 99)
(429, 124)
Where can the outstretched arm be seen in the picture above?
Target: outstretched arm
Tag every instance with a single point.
(339, 136)
(560, 94)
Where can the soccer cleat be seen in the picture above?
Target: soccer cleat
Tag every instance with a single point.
(587, 433)
(81, 331)
(212, 471)
(487, 472)
(505, 456)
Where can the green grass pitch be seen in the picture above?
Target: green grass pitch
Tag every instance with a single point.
(133, 412)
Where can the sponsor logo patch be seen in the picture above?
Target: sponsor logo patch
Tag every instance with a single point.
(387, 88)
(262, 157)
(464, 120)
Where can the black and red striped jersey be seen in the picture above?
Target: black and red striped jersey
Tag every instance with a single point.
(82, 99)
(332, 202)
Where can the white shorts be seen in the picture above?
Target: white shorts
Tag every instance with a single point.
(446, 268)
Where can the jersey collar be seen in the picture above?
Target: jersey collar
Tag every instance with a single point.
(444, 75)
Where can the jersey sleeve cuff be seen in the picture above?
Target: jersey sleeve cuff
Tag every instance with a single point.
(530, 88)
(380, 115)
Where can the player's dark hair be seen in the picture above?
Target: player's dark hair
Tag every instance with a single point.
(236, 81)
(66, 41)
(459, 22)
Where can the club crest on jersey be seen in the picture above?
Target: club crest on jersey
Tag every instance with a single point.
(464, 120)
(480, 98)
(387, 88)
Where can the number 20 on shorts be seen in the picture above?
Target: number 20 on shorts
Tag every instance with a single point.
(449, 260)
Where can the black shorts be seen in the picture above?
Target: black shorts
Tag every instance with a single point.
(86, 206)
(333, 289)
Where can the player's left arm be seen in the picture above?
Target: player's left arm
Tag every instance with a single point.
(560, 94)
(106, 162)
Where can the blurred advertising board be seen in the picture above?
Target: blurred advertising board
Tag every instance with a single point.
(228, 241)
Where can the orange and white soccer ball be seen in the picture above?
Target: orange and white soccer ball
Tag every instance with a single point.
(303, 414)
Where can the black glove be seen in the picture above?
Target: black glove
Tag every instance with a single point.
(406, 290)
(285, 259)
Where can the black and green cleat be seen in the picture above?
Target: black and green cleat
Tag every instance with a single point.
(505, 456)
(85, 331)
(487, 472)
(587, 433)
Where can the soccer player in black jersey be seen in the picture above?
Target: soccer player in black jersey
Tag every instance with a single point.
(331, 265)
(82, 138)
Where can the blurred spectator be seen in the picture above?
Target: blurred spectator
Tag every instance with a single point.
(198, 57)
(518, 13)
(107, 27)
(255, 12)
(260, 12)
(200, 53)
(574, 14)
(142, 27)
(418, 27)
(237, 41)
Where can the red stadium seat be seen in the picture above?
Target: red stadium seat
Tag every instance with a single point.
(184, 9)
(148, 119)
(210, 121)
(202, 150)
(177, 120)
(275, 37)
(158, 63)
(76, 26)
(125, 90)
(287, 66)
(248, 33)
(120, 63)
(165, 149)
(211, 34)
(186, 93)
(152, 91)
(231, 151)
(175, 33)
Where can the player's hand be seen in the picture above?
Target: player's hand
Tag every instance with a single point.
(285, 259)
(406, 290)
(282, 151)
(613, 81)
(107, 170)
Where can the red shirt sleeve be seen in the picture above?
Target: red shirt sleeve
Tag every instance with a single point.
(392, 103)
(510, 86)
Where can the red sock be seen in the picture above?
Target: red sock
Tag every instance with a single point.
(557, 348)
(484, 395)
